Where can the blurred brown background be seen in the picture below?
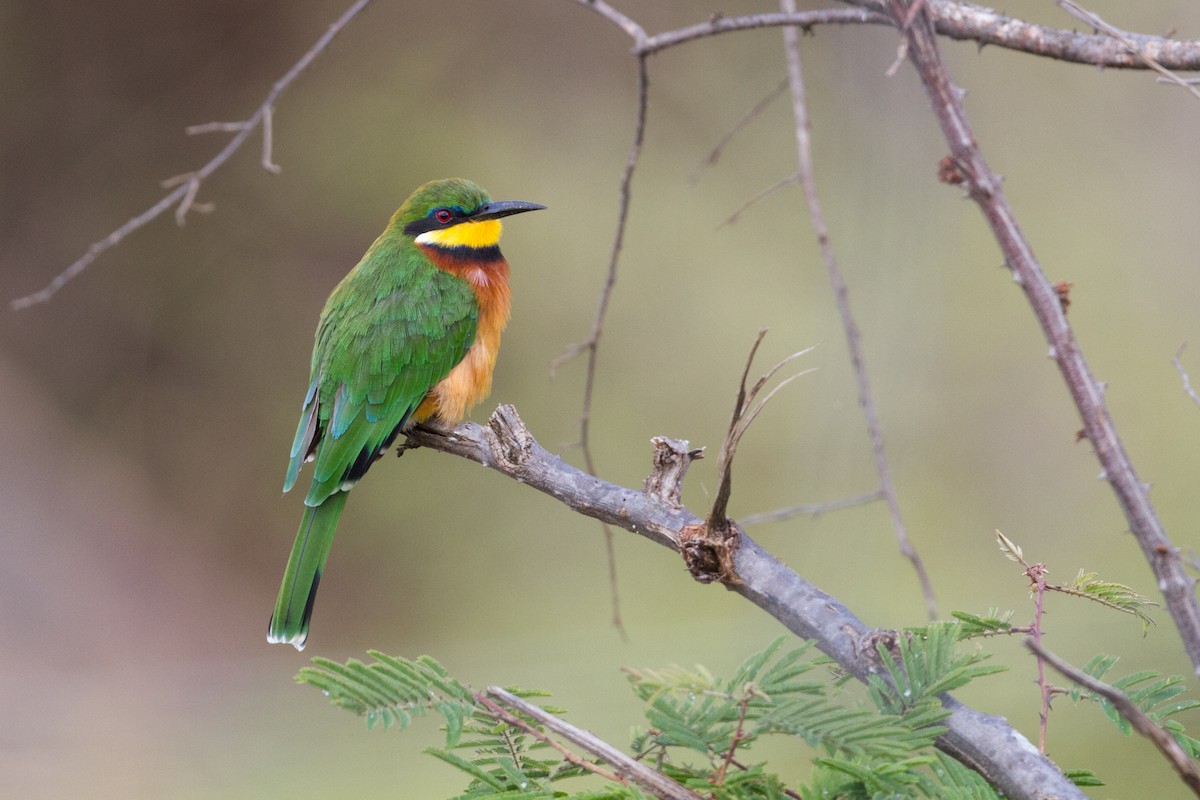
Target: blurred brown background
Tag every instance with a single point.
(148, 408)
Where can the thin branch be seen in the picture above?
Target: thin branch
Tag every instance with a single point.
(811, 509)
(963, 22)
(985, 188)
(853, 339)
(1187, 381)
(512, 720)
(985, 743)
(1128, 43)
(719, 24)
(185, 193)
(591, 345)
(626, 767)
(631, 28)
(738, 127)
(1189, 771)
(782, 183)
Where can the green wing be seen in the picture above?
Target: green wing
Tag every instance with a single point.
(390, 332)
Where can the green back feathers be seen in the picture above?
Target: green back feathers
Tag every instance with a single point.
(392, 329)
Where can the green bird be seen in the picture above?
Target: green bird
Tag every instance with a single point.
(409, 335)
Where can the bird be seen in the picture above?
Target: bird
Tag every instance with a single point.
(409, 335)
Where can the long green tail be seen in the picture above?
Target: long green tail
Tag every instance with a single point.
(294, 606)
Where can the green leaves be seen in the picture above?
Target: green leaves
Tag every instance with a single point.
(509, 750)
(392, 690)
(1156, 696)
(926, 663)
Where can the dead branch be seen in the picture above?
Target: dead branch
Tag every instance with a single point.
(986, 743)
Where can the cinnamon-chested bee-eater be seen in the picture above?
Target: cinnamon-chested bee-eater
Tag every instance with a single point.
(409, 335)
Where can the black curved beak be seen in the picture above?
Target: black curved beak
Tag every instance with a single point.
(503, 208)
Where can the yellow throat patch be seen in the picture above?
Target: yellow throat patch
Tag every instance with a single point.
(485, 233)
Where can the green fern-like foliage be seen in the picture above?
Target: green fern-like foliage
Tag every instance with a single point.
(1089, 586)
(392, 690)
(1157, 696)
(692, 709)
(927, 662)
(863, 752)
(992, 623)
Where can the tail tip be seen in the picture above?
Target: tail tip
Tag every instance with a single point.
(276, 635)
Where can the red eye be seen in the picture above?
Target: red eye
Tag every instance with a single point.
(442, 215)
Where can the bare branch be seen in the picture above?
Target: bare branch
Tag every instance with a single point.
(591, 345)
(1129, 44)
(1189, 771)
(811, 509)
(963, 22)
(782, 183)
(1187, 381)
(985, 188)
(985, 743)
(628, 770)
(849, 326)
(512, 720)
(750, 116)
(185, 194)
(719, 24)
(631, 28)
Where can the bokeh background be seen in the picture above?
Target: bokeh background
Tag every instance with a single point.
(148, 408)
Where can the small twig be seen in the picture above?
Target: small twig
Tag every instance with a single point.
(628, 770)
(849, 326)
(745, 409)
(1189, 771)
(1084, 15)
(1187, 381)
(783, 183)
(1037, 579)
(512, 720)
(750, 116)
(795, 19)
(631, 28)
(215, 127)
(268, 141)
(810, 509)
(738, 737)
(185, 194)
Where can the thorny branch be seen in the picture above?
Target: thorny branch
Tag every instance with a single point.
(985, 188)
(1189, 771)
(985, 743)
(816, 217)
(1128, 43)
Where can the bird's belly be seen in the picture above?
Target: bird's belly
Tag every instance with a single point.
(468, 383)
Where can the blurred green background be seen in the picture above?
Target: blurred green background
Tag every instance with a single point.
(148, 408)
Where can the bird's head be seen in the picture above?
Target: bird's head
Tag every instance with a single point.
(455, 212)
